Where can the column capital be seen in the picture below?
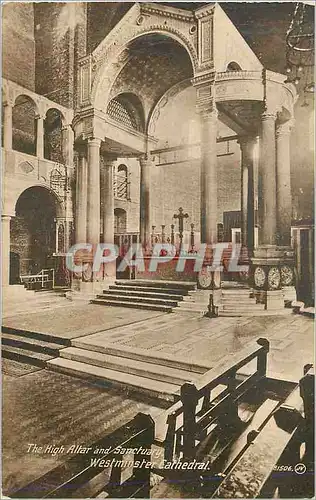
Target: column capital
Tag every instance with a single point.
(81, 151)
(8, 102)
(284, 128)
(94, 141)
(247, 140)
(269, 114)
(40, 115)
(107, 161)
(7, 217)
(209, 113)
(146, 159)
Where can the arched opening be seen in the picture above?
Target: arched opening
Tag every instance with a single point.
(53, 136)
(33, 232)
(233, 66)
(127, 109)
(121, 184)
(24, 125)
(120, 220)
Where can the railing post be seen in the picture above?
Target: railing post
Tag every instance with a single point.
(42, 272)
(53, 278)
(189, 398)
(262, 356)
(142, 474)
(170, 437)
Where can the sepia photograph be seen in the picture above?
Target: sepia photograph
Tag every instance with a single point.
(157, 249)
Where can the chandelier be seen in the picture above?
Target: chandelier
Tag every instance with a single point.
(300, 50)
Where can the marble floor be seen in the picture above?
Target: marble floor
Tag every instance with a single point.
(193, 338)
(47, 408)
(76, 319)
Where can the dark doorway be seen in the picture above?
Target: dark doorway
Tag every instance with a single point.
(33, 233)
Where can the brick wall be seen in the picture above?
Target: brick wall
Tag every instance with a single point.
(60, 39)
(101, 18)
(18, 48)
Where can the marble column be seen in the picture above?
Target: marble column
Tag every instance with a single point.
(40, 136)
(107, 194)
(93, 191)
(267, 181)
(7, 125)
(81, 198)
(145, 216)
(283, 184)
(5, 253)
(247, 192)
(208, 177)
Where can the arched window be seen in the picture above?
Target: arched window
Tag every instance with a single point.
(53, 136)
(127, 109)
(233, 66)
(121, 183)
(24, 125)
(119, 220)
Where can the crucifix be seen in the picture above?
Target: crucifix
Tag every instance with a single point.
(181, 216)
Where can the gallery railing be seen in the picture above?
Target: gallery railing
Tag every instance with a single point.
(44, 279)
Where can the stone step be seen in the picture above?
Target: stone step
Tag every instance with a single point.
(163, 359)
(157, 290)
(26, 356)
(126, 365)
(142, 300)
(242, 307)
(237, 293)
(134, 304)
(232, 314)
(238, 300)
(180, 285)
(120, 380)
(131, 293)
(46, 337)
(31, 344)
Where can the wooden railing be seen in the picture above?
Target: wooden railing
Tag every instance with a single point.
(44, 279)
(191, 419)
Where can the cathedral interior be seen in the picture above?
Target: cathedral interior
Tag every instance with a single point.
(183, 124)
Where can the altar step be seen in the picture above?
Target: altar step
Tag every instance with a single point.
(133, 372)
(30, 347)
(142, 294)
(239, 301)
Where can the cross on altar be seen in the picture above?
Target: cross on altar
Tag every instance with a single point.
(181, 216)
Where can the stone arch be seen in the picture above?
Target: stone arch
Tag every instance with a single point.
(24, 114)
(33, 229)
(14, 196)
(109, 62)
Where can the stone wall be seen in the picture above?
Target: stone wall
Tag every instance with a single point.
(18, 48)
